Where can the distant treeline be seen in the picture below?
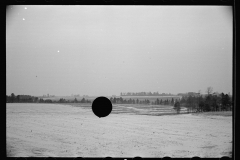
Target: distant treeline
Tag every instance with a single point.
(20, 98)
(31, 99)
(146, 101)
(145, 94)
(221, 102)
(210, 102)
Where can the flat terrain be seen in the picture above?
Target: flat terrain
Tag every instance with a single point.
(42, 130)
(223, 113)
(137, 109)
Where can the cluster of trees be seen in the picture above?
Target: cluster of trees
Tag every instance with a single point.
(31, 99)
(20, 98)
(211, 102)
(177, 107)
(62, 100)
(129, 101)
(120, 100)
(144, 94)
(165, 102)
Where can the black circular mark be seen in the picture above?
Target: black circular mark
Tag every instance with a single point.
(79, 158)
(101, 107)
(195, 158)
(166, 158)
(137, 158)
(225, 158)
(108, 158)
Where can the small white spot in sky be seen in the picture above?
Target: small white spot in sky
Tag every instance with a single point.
(58, 50)
(25, 8)
(23, 19)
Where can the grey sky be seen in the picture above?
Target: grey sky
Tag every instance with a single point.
(105, 50)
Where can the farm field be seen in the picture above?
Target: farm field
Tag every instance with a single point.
(137, 109)
(72, 130)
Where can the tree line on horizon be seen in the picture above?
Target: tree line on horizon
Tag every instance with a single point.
(221, 102)
(20, 98)
(210, 102)
(120, 100)
(144, 94)
(31, 99)
(200, 103)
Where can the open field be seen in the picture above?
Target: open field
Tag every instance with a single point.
(137, 109)
(223, 113)
(56, 130)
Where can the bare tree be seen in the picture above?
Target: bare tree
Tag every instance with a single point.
(199, 94)
(177, 107)
(209, 90)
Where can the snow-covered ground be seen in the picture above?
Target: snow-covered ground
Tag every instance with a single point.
(42, 130)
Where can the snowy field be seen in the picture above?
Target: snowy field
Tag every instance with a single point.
(55, 130)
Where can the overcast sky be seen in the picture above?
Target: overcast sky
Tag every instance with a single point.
(105, 50)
